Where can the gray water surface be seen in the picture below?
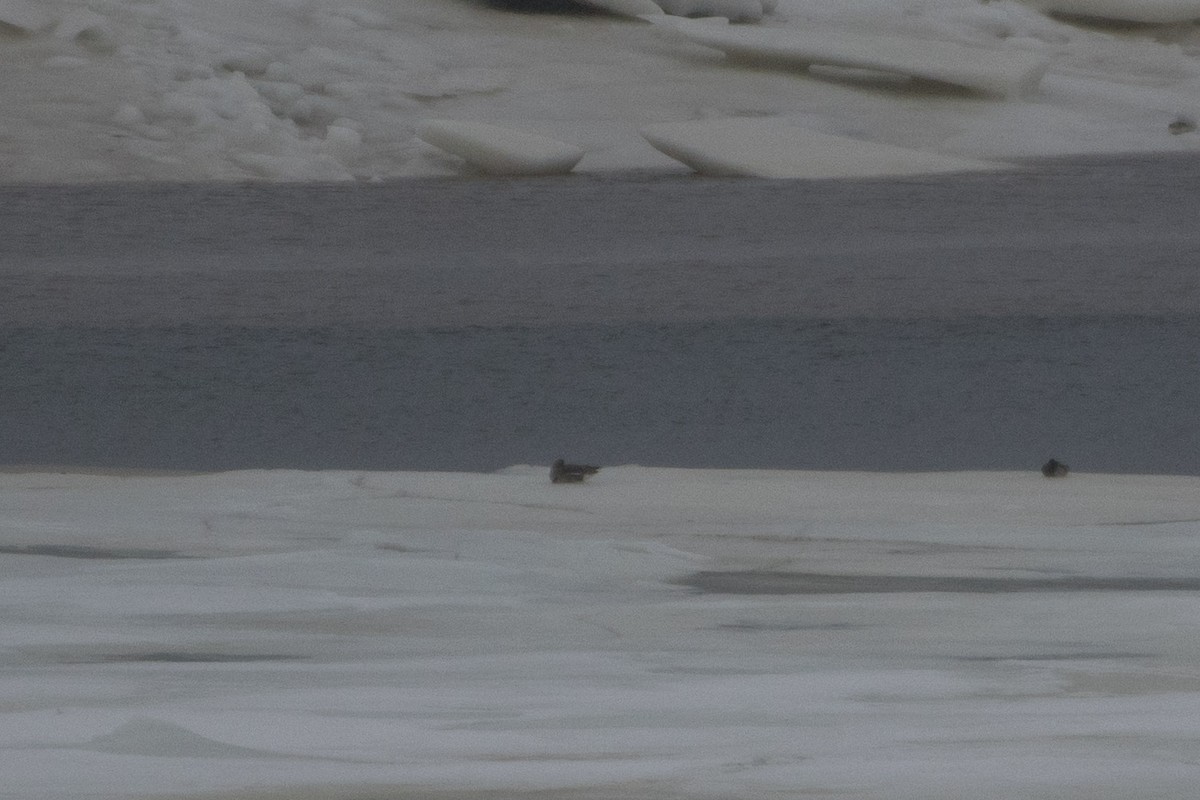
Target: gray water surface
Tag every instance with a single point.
(958, 322)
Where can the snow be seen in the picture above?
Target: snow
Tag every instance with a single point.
(500, 151)
(735, 10)
(324, 90)
(1007, 73)
(362, 635)
(1142, 11)
(25, 16)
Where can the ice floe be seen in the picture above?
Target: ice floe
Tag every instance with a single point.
(735, 10)
(769, 148)
(1008, 73)
(1143, 11)
(499, 150)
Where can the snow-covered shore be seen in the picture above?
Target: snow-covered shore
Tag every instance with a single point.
(418, 634)
(323, 90)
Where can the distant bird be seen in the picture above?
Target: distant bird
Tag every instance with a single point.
(1055, 469)
(561, 472)
(1182, 124)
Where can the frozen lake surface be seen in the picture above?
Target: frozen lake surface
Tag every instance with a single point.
(358, 635)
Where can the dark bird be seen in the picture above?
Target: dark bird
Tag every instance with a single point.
(1055, 469)
(561, 472)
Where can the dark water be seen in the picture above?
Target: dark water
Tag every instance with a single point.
(984, 321)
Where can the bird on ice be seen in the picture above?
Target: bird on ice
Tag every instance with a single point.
(562, 472)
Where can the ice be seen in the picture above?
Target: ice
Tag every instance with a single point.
(25, 17)
(501, 151)
(628, 8)
(1008, 73)
(771, 149)
(324, 90)
(736, 10)
(375, 635)
(150, 737)
(1144, 11)
(733, 10)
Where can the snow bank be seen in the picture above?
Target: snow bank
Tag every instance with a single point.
(322, 90)
(768, 148)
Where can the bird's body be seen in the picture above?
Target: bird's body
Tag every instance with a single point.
(1055, 469)
(562, 472)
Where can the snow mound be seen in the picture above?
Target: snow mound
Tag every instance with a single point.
(771, 148)
(1004, 72)
(500, 151)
